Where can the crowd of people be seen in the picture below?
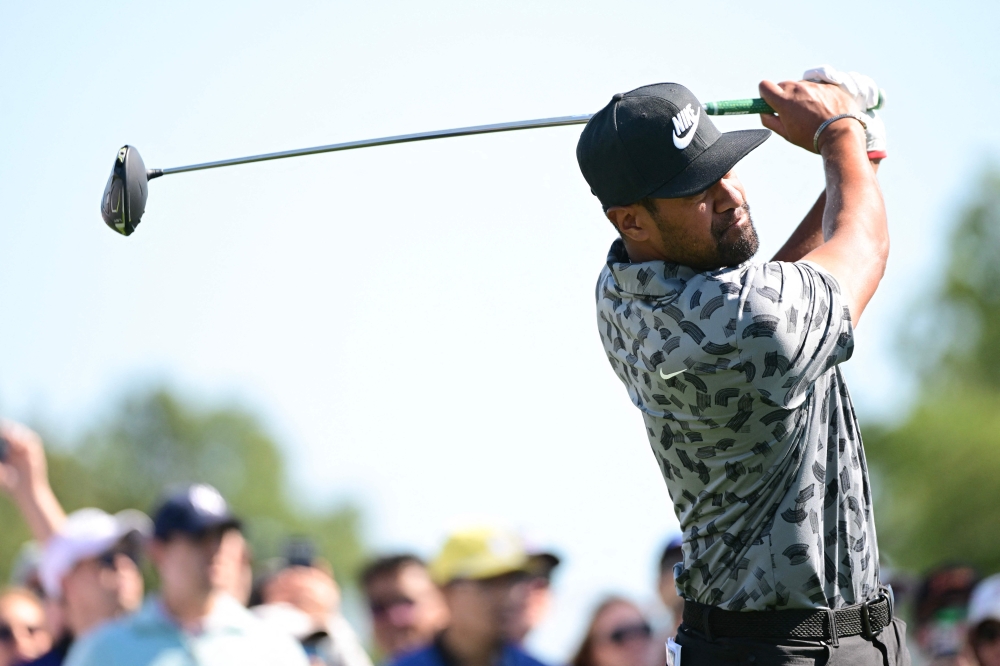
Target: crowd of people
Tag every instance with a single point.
(77, 594)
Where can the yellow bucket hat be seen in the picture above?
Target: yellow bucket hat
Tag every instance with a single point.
(478, 553)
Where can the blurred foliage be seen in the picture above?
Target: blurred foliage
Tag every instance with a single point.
(155, 440)
(940, 469)
(954, 333)
(940, 474)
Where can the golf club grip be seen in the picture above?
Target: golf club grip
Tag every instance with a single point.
(737, 107)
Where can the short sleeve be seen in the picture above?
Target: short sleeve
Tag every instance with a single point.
(792, 327)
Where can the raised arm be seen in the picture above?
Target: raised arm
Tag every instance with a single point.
(24, 476)
(855, 234)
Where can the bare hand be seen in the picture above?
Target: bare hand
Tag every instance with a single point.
(311, 590)
(24, 470)
(802, 106)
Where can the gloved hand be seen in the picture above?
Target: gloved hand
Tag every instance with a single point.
(865, 93)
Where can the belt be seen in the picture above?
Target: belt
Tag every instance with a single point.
(824, 624)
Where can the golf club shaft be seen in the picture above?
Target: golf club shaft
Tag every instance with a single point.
(383, 141)
(723, 108)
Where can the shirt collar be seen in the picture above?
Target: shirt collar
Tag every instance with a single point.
(648, 278)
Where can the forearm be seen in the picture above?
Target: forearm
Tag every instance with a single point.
(809, 234)
(854, 221)
(41, 511)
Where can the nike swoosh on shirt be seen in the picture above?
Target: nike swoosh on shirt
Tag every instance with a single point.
(683, 142)
(672, 374)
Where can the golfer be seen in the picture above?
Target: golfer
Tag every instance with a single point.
(734, 365)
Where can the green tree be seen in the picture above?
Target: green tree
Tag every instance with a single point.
(958, 328)
(155, 440)
(940, 470)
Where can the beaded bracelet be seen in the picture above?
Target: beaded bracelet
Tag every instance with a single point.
(826, 123)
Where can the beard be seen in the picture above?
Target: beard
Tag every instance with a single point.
(734, 251)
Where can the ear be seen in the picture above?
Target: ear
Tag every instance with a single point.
(632, 221)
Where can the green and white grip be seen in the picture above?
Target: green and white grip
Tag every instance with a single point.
(739, 107)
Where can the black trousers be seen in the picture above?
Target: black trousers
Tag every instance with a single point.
(886, 649)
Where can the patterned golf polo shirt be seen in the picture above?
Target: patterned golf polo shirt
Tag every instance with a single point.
(736, 374)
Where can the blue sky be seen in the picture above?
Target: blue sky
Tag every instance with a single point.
(416, 322)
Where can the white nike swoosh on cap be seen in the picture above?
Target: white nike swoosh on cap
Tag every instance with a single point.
(672, 374)
(683, 143)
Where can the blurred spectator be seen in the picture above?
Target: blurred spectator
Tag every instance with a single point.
(941, 604)
(483, 574)
(984, 621)
(91, 565)
(23, 635)
(195, 618)
(305, 600)
(541, 566)
(24, 573)
(672, 602)
(89, 570)
(618, 635)
(408, 609)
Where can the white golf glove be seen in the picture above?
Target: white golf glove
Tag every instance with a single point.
(866, 95)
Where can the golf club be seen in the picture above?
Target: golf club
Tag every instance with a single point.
(124, 199)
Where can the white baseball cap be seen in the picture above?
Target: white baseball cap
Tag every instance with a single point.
(87, 533)
(985, 601)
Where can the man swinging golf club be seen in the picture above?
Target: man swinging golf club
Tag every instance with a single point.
(734, 366)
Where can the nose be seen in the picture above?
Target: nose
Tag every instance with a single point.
(729, 193)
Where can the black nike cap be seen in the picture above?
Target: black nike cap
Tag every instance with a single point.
(194, 509)
(657, 141)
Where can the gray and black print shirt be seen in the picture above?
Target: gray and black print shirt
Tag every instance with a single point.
(735, 372)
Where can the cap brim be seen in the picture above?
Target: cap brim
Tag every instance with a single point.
(542, 564)
(709, 167)
(132, 520)
(221, 525)
(203, 527)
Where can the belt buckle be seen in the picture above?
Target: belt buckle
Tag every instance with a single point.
(866, 618)
(866, 622)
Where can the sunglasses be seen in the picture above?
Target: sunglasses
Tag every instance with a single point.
(7, 633)
(987, 632)
(108, 560)
(626, 633)
(380, 609)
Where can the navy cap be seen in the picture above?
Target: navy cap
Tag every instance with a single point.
(657, 141)
(192, 510)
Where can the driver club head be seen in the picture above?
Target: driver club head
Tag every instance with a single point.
(124, 199)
